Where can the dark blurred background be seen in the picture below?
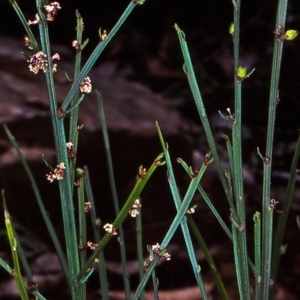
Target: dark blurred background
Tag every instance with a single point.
(148, 42)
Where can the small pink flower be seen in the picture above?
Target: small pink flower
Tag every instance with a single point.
(87, 206)
(91, 245)
(58, 173)
(37, 62)
(52, 10)
(76, 45)
(54, 58)
(167, 256)
(156, 248)
(51, 177)
(86, 86)
(36, 21)
(134, 208)
(70, 149)
(104, 35)
(191, 210)
(110, 229)
(162, 253)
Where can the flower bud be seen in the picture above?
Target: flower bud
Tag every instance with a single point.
(241, 72)
(231, 29)
(290, 34)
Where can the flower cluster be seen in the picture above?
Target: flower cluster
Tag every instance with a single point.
(70, 149)
(159, 252)
(142, 172)
(104, 35)
(32, 286)
(194, 173)
(37, 20)
(191, 210)
(27, 42)
(273, 204)
(76, 45)
(38, 61)
(54, 58)
(86, 86)
(162, 253)
(90, 245)
(58, 173)
(110, 229)
(134, 208)
(87, 206)
(52, 10)
(147, 263)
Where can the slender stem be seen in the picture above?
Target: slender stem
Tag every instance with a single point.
(139, 241)
(27, 28)
(81, 222)
(237, 164)
(257, 254)
(114, 194)
(14, 251)
(189, 71)
(60, 146)
(183, 224)
(283, 217)
(73, 131)
(239, 190)
(208, 201)
(267, 217)
(82, 230)
(96, 228)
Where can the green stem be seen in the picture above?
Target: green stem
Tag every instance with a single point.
(73, 131)
(82, 230)
(14, 246)
(237, 175)
(239, 190)
(114, 193)
(189, 71)
(267, 217)
(139, 241)
(27, 28)
(283, 217)
(257, 254)
(96, 229)
(61, 152)
(183, 224)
